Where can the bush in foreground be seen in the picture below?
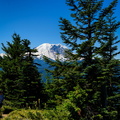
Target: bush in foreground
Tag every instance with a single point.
(29, 114)
(25, 115)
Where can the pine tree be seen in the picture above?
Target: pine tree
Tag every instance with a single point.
(81, 36)
(108, 52)
(20, 86)
(86, 29)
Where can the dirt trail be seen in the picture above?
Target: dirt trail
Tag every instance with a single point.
(3, 115)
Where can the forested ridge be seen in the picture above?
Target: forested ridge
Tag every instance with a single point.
(86, 86)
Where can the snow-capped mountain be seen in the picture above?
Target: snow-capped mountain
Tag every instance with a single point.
(2, 54)
(52, 51)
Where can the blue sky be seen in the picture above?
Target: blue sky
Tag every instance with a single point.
(35, 20)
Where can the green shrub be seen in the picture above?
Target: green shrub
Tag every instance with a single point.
(59, 113)
(56, 115)
(25, 115)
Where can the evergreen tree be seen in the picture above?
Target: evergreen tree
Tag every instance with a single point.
(111, 71)
(19, 85)
(82, 36)
(109, 41)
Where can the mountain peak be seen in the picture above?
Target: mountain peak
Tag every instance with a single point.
(52, 51)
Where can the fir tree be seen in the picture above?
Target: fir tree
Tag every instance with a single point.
(108, 52)
(82, 36)
(20, 86)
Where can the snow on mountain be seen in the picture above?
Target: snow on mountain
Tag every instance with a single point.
(2, 54)
(52, 51)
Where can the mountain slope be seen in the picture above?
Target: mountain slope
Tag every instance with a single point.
(52, 51)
